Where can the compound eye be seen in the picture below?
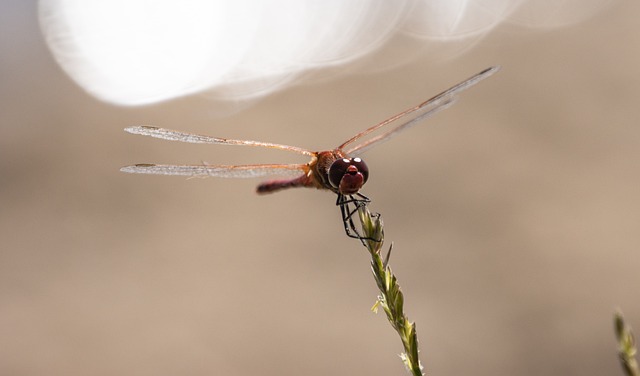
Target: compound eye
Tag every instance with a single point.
(337, 170)
(351, 167)
(362, 168)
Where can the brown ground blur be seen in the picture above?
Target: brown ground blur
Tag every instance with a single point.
(515, 217)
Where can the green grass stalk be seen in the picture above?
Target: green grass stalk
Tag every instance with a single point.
(391, 298)
(626, 346)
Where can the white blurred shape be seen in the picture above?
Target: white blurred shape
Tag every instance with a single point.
(454, 19)
(134, 52)
(309, 35)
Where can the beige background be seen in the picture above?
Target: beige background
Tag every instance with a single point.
(514, 215)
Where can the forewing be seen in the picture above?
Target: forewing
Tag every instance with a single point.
(220, 171)
(171, 135)
(414, 120)
(412, 116)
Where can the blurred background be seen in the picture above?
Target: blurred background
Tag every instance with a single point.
(514, 216)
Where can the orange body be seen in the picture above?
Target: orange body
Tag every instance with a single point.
(316, 176)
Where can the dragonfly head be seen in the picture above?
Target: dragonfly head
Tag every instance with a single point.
(348, 175)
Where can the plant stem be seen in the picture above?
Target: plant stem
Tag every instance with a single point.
(626, 346)
(391, 298)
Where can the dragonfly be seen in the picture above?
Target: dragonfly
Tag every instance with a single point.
(340, 170)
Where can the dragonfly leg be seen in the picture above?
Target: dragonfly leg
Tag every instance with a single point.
(347, 220)
(346, 203)
(359, 199)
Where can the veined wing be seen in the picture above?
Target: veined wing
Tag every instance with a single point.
(171, 135)
(221, 171)
(412, 116)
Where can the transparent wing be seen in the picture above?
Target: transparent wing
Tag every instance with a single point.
(171, 135)
(414, 115)
(221, 171)
(366, 145)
